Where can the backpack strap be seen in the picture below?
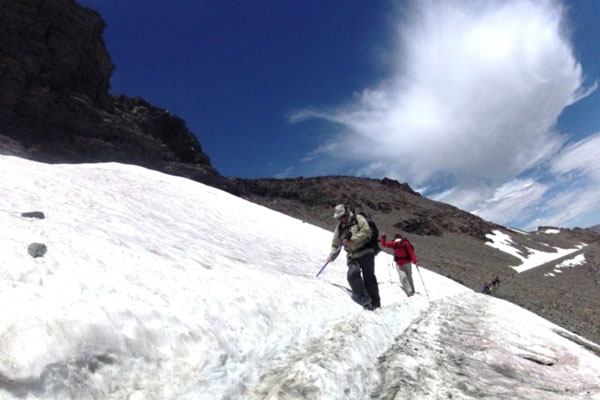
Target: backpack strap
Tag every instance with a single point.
(347, 227)
(353, 221)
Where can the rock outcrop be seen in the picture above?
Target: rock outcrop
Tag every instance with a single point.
(397, 206)
(54, 101)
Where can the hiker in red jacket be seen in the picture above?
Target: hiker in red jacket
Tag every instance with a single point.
(404, 256)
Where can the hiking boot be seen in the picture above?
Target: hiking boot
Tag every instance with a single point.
(410, 294)
(365, 301)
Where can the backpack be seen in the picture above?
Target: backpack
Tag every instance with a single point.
(374, 234)
(407, 245)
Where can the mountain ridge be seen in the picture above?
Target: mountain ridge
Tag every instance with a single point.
(55, 106)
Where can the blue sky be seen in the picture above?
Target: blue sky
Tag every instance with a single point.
(487, 105)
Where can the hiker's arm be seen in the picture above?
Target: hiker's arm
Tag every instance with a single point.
(411, 253)
(385, 243)
(335, 243)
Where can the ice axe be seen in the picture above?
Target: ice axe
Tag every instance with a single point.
(333, 257)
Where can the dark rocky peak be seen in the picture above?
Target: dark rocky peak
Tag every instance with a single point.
(54, 102)
(53, 46)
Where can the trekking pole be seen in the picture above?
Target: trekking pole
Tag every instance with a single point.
(334, 256)
(423, 282)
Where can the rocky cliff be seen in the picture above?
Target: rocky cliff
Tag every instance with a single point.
(54, 102)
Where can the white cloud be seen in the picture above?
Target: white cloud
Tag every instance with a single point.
(580, 157)
(576, 175)
(285, 173)
(471, 102)
(567, 208)
(508, 202)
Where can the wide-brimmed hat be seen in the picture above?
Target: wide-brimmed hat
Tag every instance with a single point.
(340, 211)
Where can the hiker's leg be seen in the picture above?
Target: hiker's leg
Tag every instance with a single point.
(404, 282)
(367, 264)
(355, 279)
(408, 270)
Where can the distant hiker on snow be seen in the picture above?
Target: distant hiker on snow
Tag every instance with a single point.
(489, 286)
(404, 255)
(353, 232)
(496, 281)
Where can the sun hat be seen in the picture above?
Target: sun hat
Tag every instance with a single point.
(340, 211)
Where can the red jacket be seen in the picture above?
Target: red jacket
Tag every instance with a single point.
(403, 250)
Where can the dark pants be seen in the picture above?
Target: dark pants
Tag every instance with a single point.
(366, 264)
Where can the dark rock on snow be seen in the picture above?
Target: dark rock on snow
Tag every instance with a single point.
(33, 214)
(36, 250)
